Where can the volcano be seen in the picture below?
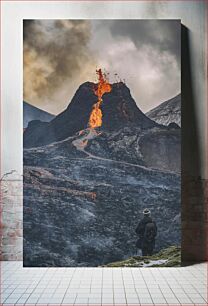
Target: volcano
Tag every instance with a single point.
(118, 108)
(88, 175)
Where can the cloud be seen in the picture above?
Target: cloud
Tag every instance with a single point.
(144, 53)
(162, 35)
(55, 54)
(59, 55)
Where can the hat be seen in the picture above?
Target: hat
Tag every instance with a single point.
(146, 212)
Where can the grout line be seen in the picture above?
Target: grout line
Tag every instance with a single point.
(123, 284)
(135, 286)
(147, 287)
(69, 286)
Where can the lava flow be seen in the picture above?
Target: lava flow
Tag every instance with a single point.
(102, 87)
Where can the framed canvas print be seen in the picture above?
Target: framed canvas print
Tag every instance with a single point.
(102, 142)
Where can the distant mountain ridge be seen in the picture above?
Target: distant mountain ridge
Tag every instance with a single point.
(31, 112)
(167, 112)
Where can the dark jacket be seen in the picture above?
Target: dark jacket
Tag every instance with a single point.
(141, 226)
(147, 231)
(140, 230)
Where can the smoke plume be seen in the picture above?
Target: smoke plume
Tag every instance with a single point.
(55, 53)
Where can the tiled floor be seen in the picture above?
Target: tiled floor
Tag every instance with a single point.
(103, 286)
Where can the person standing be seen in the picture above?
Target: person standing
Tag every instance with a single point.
(147, 232)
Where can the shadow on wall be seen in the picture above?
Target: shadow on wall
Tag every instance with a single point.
(193, 186)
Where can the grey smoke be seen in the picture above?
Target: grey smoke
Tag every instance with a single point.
(55, 51)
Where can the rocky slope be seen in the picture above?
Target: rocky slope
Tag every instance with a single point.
(82, 204)
(167, 112)
(31, 112)
(156, 147)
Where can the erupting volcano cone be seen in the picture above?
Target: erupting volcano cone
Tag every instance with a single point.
(102, 105)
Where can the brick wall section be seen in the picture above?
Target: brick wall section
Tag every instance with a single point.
(11, 222)
(194, 220)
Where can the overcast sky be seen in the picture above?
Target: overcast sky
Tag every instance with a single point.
(59, 55)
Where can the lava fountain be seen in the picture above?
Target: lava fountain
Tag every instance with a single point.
(102, 87)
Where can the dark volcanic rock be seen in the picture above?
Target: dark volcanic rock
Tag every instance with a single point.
(173, 125)
(156, 148)
(31, 112)
(161, 149)
(118, 108)
(81, 205)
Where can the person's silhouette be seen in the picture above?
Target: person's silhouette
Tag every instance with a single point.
(147, 231)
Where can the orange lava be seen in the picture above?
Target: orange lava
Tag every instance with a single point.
(102, 87)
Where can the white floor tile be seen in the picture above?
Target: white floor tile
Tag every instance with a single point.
(94, 301)
(32, 300)
(119, 300)
(81, 301)
(131, 296)
(69, 300)
(185, 285)
(145, 301)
